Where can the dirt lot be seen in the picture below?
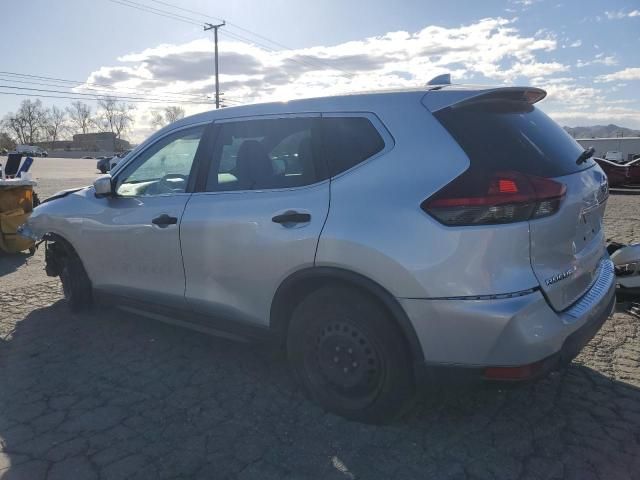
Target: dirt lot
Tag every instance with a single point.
(110, 395)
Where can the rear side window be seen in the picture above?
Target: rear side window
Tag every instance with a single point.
(510, 135)
(266, 154)
(349, 141)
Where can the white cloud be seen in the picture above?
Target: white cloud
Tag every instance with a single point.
(619, 14)
(616, 115)
(599, 59)
(489, 50)
(525, 3)
(577, 43)
(632, 73)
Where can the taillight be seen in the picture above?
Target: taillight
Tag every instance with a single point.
(500, 197)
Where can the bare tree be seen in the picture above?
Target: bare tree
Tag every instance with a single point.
(28, 122)
(15, 125)
(173, 113)
(55, 123)
(6, 142)
(80, 116)
(157, 120)
(168, 115)
(114, 116)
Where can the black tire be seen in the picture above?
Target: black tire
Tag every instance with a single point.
(350, 357)
(75, 282)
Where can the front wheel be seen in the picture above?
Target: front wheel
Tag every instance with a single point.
(350, 356)
(75, 281)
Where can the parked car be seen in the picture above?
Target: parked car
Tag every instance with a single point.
(103, 164)
(617, 174)
(113, 161)
(31, 151)
(384, 239)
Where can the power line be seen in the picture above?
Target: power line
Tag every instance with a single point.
(105, 86)
(101, 97)
(87, 99)
(159, 12)
(255, 34)
(192, 21)
(96, 99)
(100, 92)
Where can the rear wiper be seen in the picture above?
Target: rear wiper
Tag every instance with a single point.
(586, 155)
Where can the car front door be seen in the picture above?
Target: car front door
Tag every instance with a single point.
(135, 232)
(258, 216)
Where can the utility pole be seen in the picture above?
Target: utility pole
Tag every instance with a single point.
(208, 26)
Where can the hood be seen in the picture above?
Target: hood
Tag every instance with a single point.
(63, 193)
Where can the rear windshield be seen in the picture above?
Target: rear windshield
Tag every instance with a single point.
(512, 135)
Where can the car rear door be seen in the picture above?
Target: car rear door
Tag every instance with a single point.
(257, 216)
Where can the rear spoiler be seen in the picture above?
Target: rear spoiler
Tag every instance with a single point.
(436, 100)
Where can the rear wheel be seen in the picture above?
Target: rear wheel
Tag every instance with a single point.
(349, 355)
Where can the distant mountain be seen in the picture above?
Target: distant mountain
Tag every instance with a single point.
(601, 131)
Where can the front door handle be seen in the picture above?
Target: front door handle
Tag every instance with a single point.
(164, 220)
(292, 217)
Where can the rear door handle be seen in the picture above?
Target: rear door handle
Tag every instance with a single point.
(164, 220)
(292, 217)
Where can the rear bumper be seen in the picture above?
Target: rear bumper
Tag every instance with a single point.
(471, 337)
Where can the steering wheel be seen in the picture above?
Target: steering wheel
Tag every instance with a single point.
(165, 185)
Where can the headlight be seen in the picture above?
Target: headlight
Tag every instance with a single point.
(24, 231)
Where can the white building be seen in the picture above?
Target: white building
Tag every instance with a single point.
(629, 146)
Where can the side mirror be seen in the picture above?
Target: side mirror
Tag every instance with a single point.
(102, 186)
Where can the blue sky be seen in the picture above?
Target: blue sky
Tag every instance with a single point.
(585, 53)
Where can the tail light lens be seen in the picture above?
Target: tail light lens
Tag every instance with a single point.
(496, 198)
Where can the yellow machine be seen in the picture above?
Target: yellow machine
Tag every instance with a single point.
(16, 204)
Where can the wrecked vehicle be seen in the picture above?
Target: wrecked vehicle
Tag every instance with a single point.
(387, 239)
(626, 259)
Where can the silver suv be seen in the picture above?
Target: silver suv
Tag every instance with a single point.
(385, 239)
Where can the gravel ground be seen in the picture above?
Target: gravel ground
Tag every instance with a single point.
(110, 395)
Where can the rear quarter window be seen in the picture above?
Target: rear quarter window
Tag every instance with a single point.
(348, 141)
(512, 135)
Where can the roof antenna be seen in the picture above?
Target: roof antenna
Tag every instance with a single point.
(444, 79)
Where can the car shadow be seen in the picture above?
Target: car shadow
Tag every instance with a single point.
(10, 262)
(115, 395)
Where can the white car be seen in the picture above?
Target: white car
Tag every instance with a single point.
(384, 239)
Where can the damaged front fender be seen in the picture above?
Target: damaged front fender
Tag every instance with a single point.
(56, 214)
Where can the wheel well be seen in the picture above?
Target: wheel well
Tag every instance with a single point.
(296, 287)
(56, 247)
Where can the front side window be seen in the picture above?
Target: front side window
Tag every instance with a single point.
(265, 154)
(163, 168)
